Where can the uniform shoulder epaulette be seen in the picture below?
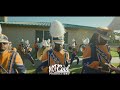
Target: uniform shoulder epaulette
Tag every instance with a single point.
(11, 51)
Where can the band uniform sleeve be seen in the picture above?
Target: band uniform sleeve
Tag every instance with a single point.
(86, 52)
(18, 60)
(67, 56)
(44, 57)
(94, 64)
(19, 64)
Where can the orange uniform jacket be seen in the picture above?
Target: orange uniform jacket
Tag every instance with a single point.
(60, 55)
(87, 54)
(5, 60)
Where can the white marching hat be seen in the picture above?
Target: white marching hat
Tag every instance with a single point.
(3, 38)
(57, 32)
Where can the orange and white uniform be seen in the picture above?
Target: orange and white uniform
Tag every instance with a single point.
(86, 52)
(16, 64)
(14, 49)
(88, 59)
(60, 55)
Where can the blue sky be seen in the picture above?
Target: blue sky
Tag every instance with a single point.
(77, 20)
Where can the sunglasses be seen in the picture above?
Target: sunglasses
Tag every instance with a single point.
(3, 43)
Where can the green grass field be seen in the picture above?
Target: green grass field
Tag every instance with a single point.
(76, 69)
(114, 54)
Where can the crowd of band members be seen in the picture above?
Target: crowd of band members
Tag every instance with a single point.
(96, 56)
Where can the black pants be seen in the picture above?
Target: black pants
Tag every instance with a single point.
(119, 54)
(29, 57)
(74, 57)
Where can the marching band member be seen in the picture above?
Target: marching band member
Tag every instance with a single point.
(10, 61)
(57, 55)
(97, 52)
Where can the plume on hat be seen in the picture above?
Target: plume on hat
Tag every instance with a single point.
(73, 44)
(45, 43)
(37, 39)
(86, 41)
(0, 29)
(73, 40)
(22, 40)
(3, 38)
(48, 40)
(57, 29)
(27, 42)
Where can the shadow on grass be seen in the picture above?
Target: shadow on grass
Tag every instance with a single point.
(76, 69)
(29, 67)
